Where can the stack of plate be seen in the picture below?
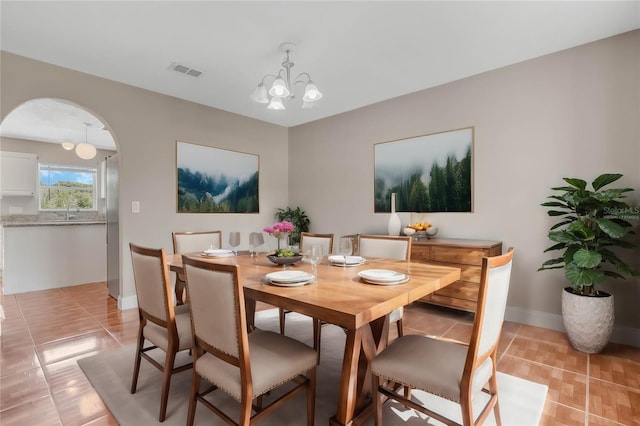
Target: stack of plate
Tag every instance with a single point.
(217, 253)
(339, 260)
(382, 277)
(289, 278)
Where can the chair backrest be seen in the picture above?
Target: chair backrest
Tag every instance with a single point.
(217, 310)
(385, 246)
(490, 310)
(153, 286)
(308, 239)
(191, 242)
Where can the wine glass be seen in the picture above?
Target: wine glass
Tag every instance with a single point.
(234, 241)
(315, 256)
(255, 240)
(345, 248)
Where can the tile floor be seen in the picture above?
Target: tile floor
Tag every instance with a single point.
(45, 332)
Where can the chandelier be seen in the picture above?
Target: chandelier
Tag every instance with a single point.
(282, 88)
(85, 150)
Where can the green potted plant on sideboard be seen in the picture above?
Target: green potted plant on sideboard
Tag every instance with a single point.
(592, 229)
(299, 219)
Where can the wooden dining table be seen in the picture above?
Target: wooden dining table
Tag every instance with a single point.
(340, 297)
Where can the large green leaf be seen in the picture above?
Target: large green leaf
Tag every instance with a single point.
(579, 277)
(586, 258)
(604, 180)
(581, 230)
(563, 237)
(611, 228)
(554, 204)
(578, 183)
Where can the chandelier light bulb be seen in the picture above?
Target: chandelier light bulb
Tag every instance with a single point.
(311, 92)
(279, 88)
(260, 94)
(276, 103)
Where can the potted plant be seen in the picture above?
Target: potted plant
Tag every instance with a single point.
(299, 219)
(593, 225)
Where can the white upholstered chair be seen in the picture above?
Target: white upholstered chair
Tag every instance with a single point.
(308, 239)
(245, 366)
(168, 328)
(191, 242)
(389, 247)
(449, 369)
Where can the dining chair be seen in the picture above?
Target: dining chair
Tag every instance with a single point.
(389, 247)
(308, 239)
(244, 366)
(191, 242)
(450, 369)
(166, 326)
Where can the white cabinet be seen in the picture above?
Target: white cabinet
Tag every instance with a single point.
(19, 174)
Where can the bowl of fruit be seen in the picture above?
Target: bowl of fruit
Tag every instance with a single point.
(284, 257)
(420, 229)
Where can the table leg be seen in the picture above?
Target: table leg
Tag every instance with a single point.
(250, 312)
(361, 347)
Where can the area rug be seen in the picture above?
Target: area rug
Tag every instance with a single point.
(521, 401)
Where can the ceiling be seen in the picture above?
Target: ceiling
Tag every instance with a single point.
(357, 52)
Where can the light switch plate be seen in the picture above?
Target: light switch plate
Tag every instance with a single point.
(135, 207)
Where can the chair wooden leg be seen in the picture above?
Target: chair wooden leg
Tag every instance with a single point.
(311, 397)
(282, 319)
(245, 411)
(136, 365)
(180, 291)
(493, 388)
(399, 325)
(317, 337)
(376, 399)
(193, 397)
(166, 382)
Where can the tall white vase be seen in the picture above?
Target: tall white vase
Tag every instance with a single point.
(394, 220)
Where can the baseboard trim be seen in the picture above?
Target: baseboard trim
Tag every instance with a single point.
(621, 334)
(128, 302)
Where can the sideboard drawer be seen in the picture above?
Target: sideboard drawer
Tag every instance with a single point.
(464, 254)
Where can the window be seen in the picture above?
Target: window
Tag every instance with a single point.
(67, 187)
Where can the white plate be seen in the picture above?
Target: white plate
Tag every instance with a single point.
(218, 253)
(351, 260)
(382, 275)
(294, 284)
(406, 279)
(286, 277)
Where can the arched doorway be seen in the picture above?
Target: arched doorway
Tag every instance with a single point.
(66, 137)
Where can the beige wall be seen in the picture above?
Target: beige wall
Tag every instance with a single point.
(145, 126)
(570, 114)
(574, 113)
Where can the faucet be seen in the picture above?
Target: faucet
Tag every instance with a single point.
(69, 216)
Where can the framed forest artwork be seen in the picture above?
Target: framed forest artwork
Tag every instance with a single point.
(213, 180)
(429, 173)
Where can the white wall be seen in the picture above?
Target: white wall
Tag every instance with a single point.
(570, 114)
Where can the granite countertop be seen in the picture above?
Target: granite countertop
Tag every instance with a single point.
(54, 219)
(53, 223)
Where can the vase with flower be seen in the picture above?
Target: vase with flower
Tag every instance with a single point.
(283, 254)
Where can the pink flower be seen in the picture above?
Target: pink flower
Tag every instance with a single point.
(280, 229)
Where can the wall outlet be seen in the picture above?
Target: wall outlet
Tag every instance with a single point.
(135, 207)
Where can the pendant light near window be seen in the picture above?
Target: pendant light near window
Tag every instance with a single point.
(282, 88)
(85, 150)
(68, 145)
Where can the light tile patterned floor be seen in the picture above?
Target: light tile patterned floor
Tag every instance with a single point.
(46, 332)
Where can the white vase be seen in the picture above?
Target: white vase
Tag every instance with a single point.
(588, 320)
(394, 220)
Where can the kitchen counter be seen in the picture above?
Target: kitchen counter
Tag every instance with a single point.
(53, 223)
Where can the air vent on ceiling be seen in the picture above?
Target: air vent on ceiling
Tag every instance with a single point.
(183, 69)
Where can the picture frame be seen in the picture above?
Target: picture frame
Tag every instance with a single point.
(429, 173)
(216, 180)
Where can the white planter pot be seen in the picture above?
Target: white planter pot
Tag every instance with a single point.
(588, 320)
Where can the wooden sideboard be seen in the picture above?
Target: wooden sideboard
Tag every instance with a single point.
(464, 254)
